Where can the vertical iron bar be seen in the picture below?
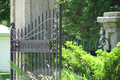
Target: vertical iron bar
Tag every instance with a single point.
(78, 42)
(109, 45)
(49, 36)
(35, 29)
(28, 53)
(14, 60)
(39, 53)
(11, 70)
(49, 65)
(90, 45)
(17, 55)
(65, 41)
(96, 45)
(21, 53)
(46, 25)
(42, 25)
(71, 39)
(60, 39)
(14, 57)
(42, 63)
(46, 53)
(42, 53)
(35, 54)
(11, 54)
(56, 65)
(32, 53)
(57, 47)
(52, 33)
(25, 53)
(49, 24)
(39, 27)
(83, 45)
(53, 45)
(39, 63)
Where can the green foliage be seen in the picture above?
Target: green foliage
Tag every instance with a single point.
(70, 58)
(0, 76)
(5, 12)
(70, 75)
(80, 16)
(103, 67)
(4, 76)
(111, 62)
(18, 69)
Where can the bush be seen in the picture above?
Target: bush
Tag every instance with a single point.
(105, 66)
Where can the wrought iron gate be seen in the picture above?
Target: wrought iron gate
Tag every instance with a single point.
(36, 49)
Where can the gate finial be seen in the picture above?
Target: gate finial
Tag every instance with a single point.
(12, 25)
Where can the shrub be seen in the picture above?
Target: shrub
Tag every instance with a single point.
(104, 66)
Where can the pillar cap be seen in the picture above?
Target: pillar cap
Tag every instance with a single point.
(111, 14)
(109, 17)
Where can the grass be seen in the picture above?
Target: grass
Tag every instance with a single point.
(66, 75)
(4, 75)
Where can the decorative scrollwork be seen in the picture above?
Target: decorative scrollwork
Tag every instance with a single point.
(16, 35)
(55, 34)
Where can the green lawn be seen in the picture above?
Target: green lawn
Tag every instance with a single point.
(4, 76)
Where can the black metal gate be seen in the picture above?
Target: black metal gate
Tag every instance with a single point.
(36, 49)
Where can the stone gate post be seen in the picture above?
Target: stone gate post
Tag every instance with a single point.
(24, 12)
(111, 23)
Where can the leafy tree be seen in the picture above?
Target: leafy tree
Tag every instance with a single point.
(5, 12)
(80, 16)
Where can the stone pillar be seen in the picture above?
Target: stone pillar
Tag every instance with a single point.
(111, 23)
(23, 12)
